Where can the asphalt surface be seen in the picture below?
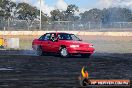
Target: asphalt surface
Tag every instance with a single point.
(22, 69)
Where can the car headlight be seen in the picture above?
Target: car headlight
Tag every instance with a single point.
(74, 46)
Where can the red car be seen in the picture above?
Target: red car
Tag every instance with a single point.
(64, 44)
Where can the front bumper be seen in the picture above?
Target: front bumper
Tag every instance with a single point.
(81, 50)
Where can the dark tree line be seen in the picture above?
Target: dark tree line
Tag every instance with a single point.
(68, 15)
(7, 8)
(21, 11)
(24, 11)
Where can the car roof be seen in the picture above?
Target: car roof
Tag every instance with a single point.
(58, 33)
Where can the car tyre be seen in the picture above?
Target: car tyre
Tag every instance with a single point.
(39, 51)
(64, 52)
(85, 55)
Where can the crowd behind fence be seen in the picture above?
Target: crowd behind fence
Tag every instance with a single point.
(23, 25)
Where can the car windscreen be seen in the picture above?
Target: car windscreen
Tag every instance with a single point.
(64, 36)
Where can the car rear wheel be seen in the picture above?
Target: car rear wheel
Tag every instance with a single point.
(64, 52)
(86, 55)
(39, 51)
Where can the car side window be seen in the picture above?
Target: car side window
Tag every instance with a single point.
(64, 37)
(74, 38)
(47, 37)
(42, 37)
(60, 37)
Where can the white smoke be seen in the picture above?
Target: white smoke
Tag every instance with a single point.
(126, 3)
(115, 3)
(13, 0)
(61, 4)
(45, 8)
(105, 3)
(20, 1)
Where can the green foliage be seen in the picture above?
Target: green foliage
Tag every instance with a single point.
(70, 12)
(6, 8)
(116, 15)
(93, 15)
(68, 15)
(27, 12)
(71, 9)
(107, 15)
(57, 15)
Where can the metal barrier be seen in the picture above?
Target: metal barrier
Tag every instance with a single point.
(21, 25)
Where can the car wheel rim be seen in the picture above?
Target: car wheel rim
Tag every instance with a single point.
(64, 52)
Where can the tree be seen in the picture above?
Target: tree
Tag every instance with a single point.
(116, 15)
(70, 12)
(27, 12)
(55, 15)
(93, 15)
(6, 8)
(44, 17)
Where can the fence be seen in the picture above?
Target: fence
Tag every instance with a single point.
(102, 44)
(20, 25)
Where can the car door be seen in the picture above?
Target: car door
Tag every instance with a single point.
(45, 42)
(54, 45)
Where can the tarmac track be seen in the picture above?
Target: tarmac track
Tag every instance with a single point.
(22, 69)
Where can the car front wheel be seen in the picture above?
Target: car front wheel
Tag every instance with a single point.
(64, 52)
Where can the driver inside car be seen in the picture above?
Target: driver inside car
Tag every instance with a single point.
(52, 37)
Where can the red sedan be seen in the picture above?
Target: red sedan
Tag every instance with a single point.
(64, 44)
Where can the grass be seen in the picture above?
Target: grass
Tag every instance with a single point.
(113, 46)
(105, 44)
